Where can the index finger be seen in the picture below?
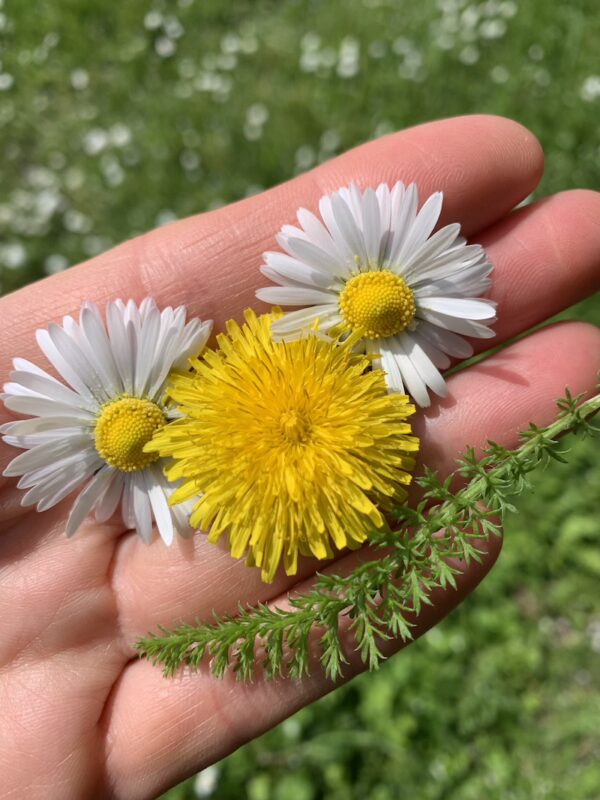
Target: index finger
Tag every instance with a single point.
(210, 262)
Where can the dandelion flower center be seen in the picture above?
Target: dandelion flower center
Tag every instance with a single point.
(295, 428)
(292, 446)
(123, 429)
(379, 304)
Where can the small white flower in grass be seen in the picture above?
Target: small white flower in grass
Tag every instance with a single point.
(372, 265)
(92, 429)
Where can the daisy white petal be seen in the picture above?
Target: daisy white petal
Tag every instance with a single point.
(66, 342)
(142, 511)
(424, 223)
(285, 270)
(315, 230)
(193, 340)
(164, 361)
(53, 470)
(23, 365)
(312, 254)
(87, 499)
(43, 407)
(68, 485)
(384, 198)
(375, 268)
(44, 437)
(59, 484)
(303, 277)
(93, 432)
(20, 391)
(428, 372)
(27, 427)
(446, 341)
(468, 281)
(136, 315)
(304, 320)
(404, 212)
(411, 378)
(147, 305)
(146, 350)
(181, 516)
(122, 341)
(348, 227)
(469, 288)
(294, 296)
(61, 365)
(110, 499)
(44, 454)
(47, 387)
(99, 344)
(371, 226)
(291, 232)
(127, 506)
(437, 356)
(341, 245)
(447, 265)
(353, 200)
(160, 506)
(390, 366)
(465, 327)
(430, 249)
(459, 307)
(44, 474)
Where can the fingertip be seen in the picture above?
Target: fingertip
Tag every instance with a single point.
(478, 155)
(519, 142)
(512, 150)
(584, 203)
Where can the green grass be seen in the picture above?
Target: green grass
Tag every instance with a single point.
(116, 117)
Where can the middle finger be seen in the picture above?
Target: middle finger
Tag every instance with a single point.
(491, 400)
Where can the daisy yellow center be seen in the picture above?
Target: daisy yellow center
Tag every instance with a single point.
(123, 428)
(287, 448)
(379, 304)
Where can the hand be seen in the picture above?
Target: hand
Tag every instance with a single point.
(81, 716)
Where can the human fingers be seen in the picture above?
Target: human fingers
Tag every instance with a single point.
(492, 400)
(546, 257)
(211, 261)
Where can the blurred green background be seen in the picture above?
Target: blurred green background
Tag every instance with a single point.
(117, 117)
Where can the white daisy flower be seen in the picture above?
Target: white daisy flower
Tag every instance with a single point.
(94, 429)
(373, 266)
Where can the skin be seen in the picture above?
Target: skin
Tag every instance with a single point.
(81, 716)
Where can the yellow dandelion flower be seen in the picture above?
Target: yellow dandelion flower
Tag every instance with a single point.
(292, 445)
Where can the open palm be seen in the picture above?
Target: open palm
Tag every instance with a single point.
(81, 716)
